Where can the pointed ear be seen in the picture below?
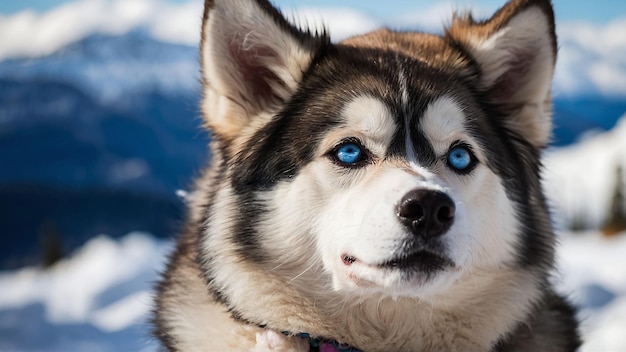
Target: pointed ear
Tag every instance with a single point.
(516, 53)
(252, 61)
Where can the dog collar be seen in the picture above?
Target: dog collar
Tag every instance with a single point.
(324, 345)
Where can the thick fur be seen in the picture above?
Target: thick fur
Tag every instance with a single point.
(283, 237)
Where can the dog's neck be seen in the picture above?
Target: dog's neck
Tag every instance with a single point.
(468, 318)
(323, 344)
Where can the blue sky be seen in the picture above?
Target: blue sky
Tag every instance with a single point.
(598, 11)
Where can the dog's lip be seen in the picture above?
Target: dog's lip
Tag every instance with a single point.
(421, 259)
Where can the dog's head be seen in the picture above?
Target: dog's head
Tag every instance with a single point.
(393, 162)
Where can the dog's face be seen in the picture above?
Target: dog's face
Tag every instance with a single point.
(418, 207)
(391, 163)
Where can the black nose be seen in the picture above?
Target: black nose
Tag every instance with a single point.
(426, 213)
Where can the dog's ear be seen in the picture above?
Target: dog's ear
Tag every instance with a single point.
(252, 61)
(516, 52)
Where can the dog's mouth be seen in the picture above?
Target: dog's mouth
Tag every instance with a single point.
(422, 260)
(419, 261)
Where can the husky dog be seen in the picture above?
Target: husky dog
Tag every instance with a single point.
(378, 194)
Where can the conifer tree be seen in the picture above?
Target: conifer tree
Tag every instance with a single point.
(51, 244)
(616, 219)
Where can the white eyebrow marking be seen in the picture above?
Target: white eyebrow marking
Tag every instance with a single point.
(443, 123)
(372, 118)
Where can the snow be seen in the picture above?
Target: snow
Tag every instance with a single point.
(593, 273)
(100, 298)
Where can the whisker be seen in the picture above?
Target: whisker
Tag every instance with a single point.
(302, 273)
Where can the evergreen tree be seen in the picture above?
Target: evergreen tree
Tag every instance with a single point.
(51, 245)
(616, 220)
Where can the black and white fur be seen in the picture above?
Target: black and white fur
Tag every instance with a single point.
(283, 237)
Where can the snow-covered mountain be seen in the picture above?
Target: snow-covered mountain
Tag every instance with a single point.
(97, 137)
(129, 102)
(111, 68)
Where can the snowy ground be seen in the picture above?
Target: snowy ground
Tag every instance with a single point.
(593, 273)
(99, 298)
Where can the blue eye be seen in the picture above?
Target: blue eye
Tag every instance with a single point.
(349, 153)
(460, 158)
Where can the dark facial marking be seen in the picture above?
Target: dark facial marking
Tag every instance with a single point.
(517, 162)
